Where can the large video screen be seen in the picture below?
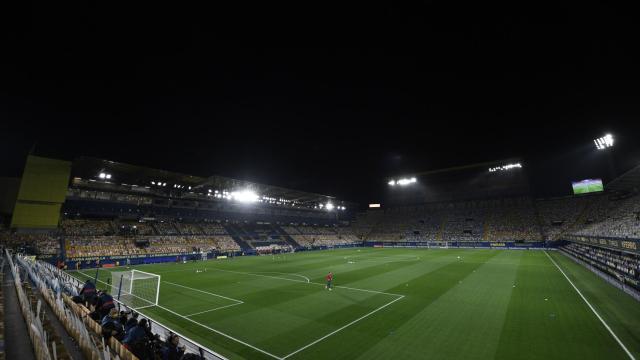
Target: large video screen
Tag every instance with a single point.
(587, 186)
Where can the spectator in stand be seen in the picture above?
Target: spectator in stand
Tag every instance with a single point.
(129, 322)
(135, 338)
(88, 292)
(104, 304)
(171, 350)
(111, 325)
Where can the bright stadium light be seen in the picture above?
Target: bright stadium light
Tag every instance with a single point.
(108, 176)
(330, 206)
(403, 181)
(505, 167)
(247, 196)
(102, 175)
(604, 142)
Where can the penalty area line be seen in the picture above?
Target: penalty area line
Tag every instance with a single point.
(220, 333)
(593, 310)
(342, 328)
(212, 329)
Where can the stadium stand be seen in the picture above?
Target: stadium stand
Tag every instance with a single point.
(45, 245)
(87, 227)
(614, 219)
(314, 236)
(496, 220)
(515, 219)
(624, 266)
(123, 334)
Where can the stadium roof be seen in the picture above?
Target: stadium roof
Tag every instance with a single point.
(469, 167)
(88, 168)
(628, 182)
(473, 181)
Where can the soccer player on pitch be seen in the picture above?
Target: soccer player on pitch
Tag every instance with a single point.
(329, 280)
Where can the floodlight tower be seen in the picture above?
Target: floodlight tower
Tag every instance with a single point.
(605, 143)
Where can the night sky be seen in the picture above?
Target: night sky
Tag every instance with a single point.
(359, 94)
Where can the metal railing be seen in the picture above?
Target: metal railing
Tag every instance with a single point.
(163, 331)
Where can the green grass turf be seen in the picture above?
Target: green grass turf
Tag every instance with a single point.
(487, 304)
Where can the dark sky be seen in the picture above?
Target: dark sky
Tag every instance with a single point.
(358, 94)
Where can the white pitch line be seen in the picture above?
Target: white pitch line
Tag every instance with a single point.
(214, 309)
(594, 310)
(342, 328)
(253, 274)
(202, 291)
(211, 329)
(279, 273)
(304, 282)
(221, 333)
(399, 297)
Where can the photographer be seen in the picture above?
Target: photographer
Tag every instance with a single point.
(102, 305)
(111, 326)
(129, 322)
(171, 350)
(136, 338)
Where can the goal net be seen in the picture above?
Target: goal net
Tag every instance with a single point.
(136, 289)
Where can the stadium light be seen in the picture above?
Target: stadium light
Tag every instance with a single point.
(247, 196)
(403, 181)
(330, 206)
(108, 176)
(604, 142)
(505, 167)
(102, 175)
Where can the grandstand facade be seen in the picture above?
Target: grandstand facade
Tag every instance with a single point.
(114, 214)
(113, 211)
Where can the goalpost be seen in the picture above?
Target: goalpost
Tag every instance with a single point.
(136, 289)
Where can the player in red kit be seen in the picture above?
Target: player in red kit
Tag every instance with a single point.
(329, 280)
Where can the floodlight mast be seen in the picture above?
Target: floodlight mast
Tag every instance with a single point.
(604, 142)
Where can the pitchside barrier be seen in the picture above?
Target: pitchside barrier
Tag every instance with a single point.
(92, 262)
(123, 260)
(164, 331)
(627, 284)
(610, 242)
(458, 244)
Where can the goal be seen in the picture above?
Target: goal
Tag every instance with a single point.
(136, 289)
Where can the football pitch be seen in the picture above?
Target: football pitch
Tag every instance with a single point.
(396, 304)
